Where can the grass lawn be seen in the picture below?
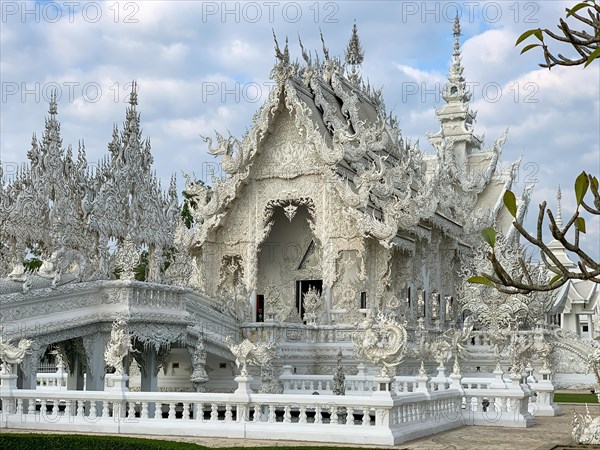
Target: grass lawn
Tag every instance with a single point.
(22, 441)
(565, 397)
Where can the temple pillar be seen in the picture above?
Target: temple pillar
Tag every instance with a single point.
(75, 375)
(27, 372)
(148, 375)
(94, 345)
(149, 379)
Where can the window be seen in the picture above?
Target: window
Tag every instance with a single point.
(363, 300)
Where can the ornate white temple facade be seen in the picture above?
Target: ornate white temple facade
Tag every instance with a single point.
(326, 219)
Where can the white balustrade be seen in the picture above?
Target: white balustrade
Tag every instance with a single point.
(326, 418)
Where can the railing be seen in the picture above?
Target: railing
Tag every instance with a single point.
(360, 384)
(367, 420)
(55, 381)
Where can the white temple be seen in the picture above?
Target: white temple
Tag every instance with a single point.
(333, 246)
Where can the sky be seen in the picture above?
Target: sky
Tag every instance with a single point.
(203, 67)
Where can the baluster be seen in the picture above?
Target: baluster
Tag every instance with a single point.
(334, 415)
(93, 413)
(68, 408)
(228, 413)
(302, 418)
(105, 408)
(158, 411)
(366, 420)
(131, 411)
(31, 406)
(19, 406)
(171, 411)
(257, 413)
(272, 416)
(186, 411)
(350, 415)
(214, 412)
(55, 407)
(199, 411)
(80, 408)
(317, 414)
(144, 410)
(287, 414)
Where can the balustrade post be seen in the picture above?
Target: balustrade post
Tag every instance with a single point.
(498, 382)
(8, 389)
(285, 377)
(544, 389)
(361, 378)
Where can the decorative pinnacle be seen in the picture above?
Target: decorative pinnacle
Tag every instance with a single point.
(457, 34)
(133, 97)
(559, 222)
(283, 57)
(354, 52)
(325, 49)
(53, 108)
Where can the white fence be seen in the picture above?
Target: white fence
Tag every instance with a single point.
(541, 401)
(415, 406)
(357, 420)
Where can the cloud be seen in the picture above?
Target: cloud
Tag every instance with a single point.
(178, 54)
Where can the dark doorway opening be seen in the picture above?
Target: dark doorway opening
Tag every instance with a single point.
(302, 287)
(260, 308)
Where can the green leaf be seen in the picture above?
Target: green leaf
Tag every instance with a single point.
(594, 185)
(489, 234)
(480, 280)
(555, 278)
(580, 224)
(529, 47)
(511, 203)
(595, 54)
(581, 186)
(576, 8)
(537, 32)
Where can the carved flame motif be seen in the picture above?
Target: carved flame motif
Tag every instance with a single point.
(13, 354)
(382, 341)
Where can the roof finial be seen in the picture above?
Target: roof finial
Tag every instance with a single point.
(133, 96)
(53, 108)
(305, 55)
(325, 49)
(283, 57)
(456, 53)
(354, 54)
(457, 34)
(559, 222)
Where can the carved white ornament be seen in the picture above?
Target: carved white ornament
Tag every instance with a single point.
(13, 354)
(382, 341)
(118, 346)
